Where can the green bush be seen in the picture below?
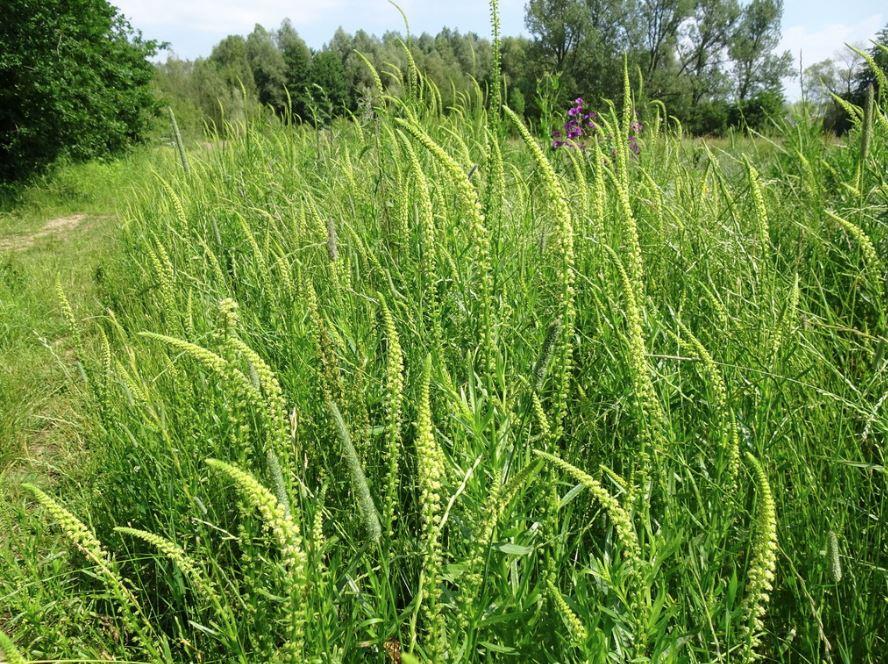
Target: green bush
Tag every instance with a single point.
(74, 81)
(757, 111)
(709, 117)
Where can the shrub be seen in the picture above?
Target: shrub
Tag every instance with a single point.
(74, 81)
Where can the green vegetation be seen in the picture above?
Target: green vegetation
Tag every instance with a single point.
(74, 82)
(714, 63)
(412, 385)
(57, 229)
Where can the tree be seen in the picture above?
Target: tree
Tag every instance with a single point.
(834, 75)
(757, 68)
(702, 49)
(74, 81)
(176, 86)
(268, 68)
(660, 21)
(297, 67)
(559, 27)
(865, 76)
(328, 89)
(229, 57)
(819, 80)
(581, 41)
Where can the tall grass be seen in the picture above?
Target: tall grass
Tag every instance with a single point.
(412, 343)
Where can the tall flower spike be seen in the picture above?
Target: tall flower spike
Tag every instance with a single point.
(867, 131)
(496, 180)
(575, 627)
(356, 473)
(630, 232)
(870, 257)
(378, 88)
(67, 311)
(429, 248)
(246, 394)
(716, 383)
(600, 200)
(566, 307)
(653, 419)
(430, 466)
(9, 652)
(496, 82)
(331, 382)
(761, 209)
(289, 539)
(615, 512)
(202, 585)
(760, 576)
(88, 544)
(478, 230)
(177, 139)
(394, 401)
(834, 557)
(275, 404)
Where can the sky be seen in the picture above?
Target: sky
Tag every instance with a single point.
(816, 28)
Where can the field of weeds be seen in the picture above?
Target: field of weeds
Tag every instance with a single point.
(420, 387)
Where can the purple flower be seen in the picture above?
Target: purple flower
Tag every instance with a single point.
(633, 145)
(580, 125)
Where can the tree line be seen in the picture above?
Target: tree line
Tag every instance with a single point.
(276, 69)
(76, 80)
(714, 63)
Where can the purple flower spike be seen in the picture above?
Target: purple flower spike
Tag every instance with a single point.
(581, 126)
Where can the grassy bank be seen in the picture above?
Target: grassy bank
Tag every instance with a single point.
(409, 385)
(58, 229)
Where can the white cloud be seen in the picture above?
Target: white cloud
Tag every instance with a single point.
(193, 26)
(224, 16)
(823, 43)
(239, 16)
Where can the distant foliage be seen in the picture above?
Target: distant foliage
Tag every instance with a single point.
(74, 81)
(715, 63)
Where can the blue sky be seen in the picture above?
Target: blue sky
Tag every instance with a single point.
(816, 27)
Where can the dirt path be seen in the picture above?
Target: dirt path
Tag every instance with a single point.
(37, 405)
(58, 226)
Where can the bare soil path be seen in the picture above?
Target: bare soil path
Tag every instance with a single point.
(57, 226)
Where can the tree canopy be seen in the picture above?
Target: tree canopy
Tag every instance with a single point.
(714, 63)
(74, 81)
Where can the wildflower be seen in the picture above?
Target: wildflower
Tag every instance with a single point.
(633, 145)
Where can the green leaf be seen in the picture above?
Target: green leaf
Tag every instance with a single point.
(515, 549)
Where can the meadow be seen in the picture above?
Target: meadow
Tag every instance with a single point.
(419, 387)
